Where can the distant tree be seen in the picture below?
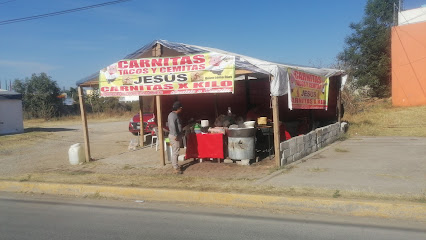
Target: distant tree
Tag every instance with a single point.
(39, 96)
(366, 55)
(95, 101)
(110, 105)
(72, 93)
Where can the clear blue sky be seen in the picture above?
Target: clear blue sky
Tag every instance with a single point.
(72, 46)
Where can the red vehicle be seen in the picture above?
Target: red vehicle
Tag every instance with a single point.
(148, 123)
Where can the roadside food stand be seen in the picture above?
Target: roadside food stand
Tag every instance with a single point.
(210, 83)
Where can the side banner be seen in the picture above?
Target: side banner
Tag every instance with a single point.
(308, 91)
(191, 74)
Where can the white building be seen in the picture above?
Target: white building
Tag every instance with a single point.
(128, 99)
(11, 115)
(412, 16)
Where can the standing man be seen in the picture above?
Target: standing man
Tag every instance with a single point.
(175, 134)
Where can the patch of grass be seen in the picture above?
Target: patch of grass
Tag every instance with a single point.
(78, 172)
(231, 185)
(288, 168)
(274, 169)
(342, 150)
(336, 194)
(104, 178)
(380, 118)
(14, 141)
(127, 167)
(317, 169)
(343, 137)
(76, 120)
(421, 199)
(26, 178)
(318, 156)
(246, 179)
(96, 195)
(385, 175)
(285, 167)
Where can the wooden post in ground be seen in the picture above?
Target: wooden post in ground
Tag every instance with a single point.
(339, 101)
(84, 120)
(160, 130)
(156, 52)
(142, 128)
(276, 119)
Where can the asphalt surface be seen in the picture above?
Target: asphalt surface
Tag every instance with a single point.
(29, 217)
(389, 165)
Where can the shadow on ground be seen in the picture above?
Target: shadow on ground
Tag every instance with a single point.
(40, 129)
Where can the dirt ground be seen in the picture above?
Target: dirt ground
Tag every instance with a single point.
(43, 151)
(41, 155)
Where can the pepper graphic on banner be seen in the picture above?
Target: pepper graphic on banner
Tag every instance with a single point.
(308, 91)
(191, 74)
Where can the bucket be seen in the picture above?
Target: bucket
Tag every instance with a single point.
(76, 154)
(204, 123)
(168, 149)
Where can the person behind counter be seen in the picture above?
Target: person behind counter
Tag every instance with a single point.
(252, 113)
(284, 134)
(175, 134)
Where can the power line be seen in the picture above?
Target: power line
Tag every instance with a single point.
(60, 12)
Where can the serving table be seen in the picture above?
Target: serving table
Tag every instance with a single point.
(210, 145)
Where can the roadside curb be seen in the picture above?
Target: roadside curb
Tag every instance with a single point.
(274, 174)
(402, 210)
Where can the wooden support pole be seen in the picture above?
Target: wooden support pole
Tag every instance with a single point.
(160, 131)
(339, 102)
(142, 127)
(276, 119)
(157, 52)
(84, 121)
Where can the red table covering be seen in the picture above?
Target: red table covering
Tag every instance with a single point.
(205, 146)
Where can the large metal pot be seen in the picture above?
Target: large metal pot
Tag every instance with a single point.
(241, 148)
(241, 143)
(241, 132)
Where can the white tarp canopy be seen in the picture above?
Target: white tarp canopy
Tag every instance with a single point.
(279, 80)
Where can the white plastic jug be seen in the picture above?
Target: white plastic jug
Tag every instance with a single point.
(76, 154)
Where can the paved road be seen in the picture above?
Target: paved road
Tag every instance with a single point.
(25, 217)
(391, 165)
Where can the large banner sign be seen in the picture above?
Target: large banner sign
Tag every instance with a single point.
(308, 91)
(191, 74)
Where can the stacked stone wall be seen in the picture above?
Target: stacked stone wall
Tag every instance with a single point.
(303, 145)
